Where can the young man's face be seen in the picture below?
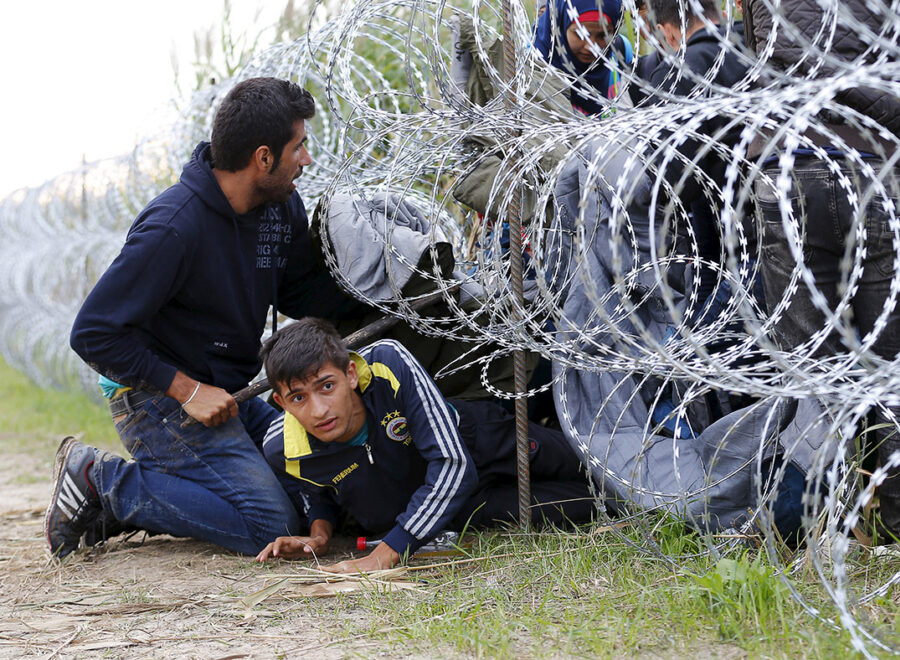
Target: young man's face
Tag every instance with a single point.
(581, 48)
(278, 185)
(326, 404)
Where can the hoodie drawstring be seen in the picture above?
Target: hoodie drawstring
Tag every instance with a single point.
(274, 270)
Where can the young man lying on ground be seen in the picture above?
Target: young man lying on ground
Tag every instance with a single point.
(369, 434)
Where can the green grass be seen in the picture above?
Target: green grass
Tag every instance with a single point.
(597, 596)
(34, 419)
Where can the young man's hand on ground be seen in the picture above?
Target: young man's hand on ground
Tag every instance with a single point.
(292, 547)
(382, 557)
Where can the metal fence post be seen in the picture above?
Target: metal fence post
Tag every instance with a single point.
(514, 217)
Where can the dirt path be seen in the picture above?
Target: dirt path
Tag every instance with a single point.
(156, 597)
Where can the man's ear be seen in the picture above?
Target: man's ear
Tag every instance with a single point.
(352, 375)
(672, 34)
(278, 398)
(263, 159)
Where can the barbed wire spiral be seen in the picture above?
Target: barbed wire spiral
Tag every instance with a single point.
(673, 372)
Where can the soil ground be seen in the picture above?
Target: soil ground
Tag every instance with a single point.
(155, 597)
(164, 597)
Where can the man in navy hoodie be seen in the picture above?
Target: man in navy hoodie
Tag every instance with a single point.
(712, 65)
(174, 325)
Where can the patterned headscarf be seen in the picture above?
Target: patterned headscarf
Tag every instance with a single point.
(550, 40)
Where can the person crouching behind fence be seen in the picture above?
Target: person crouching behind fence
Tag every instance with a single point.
(369, 434)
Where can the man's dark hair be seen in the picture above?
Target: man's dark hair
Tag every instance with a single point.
(257, 112)
(299, 350)
(672, 12)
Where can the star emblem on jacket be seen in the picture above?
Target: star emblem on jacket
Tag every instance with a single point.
(395, 427)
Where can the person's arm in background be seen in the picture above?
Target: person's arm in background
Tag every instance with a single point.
(306, 287)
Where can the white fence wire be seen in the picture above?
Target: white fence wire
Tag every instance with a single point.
(626, 298)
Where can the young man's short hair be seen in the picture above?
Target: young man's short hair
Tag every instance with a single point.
(673, 12)
(300, 349)
(257, 112)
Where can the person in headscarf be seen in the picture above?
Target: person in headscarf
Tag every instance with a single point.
(564, 34)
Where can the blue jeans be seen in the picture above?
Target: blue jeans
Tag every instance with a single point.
(211, 484)
(827, 227)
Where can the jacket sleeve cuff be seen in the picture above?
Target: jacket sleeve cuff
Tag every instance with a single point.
(402, 542)
(161, 376)
(320, 512)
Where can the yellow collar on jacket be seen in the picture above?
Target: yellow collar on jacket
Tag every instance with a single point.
(296, 439)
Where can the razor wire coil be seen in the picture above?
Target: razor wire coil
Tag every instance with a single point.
(392, 120)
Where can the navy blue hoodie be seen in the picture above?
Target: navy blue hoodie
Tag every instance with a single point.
(703, 58)
(192, 287)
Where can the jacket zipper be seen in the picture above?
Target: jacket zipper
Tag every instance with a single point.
(369, 452)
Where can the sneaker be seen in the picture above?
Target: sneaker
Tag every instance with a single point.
(75, 505)
(460, 65)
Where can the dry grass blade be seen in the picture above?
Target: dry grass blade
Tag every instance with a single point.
(327, 589)
(323, 584)
(136, 608)
(100, 646)
(383, 575)
(256, 598)
(68, 641)
(603, 529)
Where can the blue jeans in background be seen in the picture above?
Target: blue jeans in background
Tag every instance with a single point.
(211, 484)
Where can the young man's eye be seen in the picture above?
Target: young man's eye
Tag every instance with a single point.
(328, 386)
(297, 398)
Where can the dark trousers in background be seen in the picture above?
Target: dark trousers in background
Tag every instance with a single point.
(821, 202)
(560, 493)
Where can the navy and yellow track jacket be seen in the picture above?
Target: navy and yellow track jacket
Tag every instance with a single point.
(412, 475)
